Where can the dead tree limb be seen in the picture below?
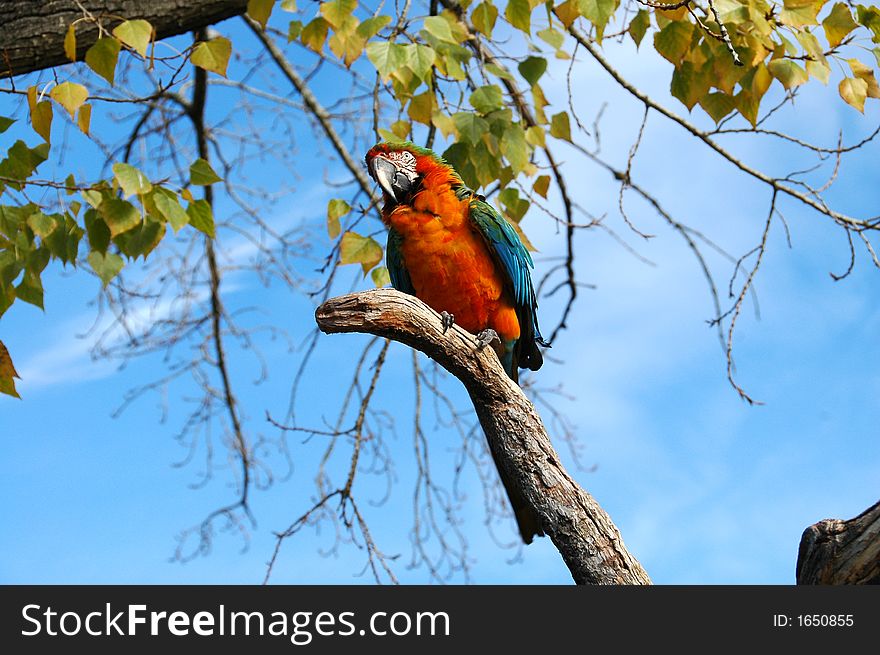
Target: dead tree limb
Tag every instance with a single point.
(841, 552)
(583, 533)
(32, 33)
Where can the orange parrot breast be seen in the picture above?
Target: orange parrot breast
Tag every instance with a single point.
(449, 263)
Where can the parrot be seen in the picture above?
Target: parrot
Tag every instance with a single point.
(451, 249)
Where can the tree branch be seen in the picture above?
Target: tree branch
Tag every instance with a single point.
(32, 33)
(583, 533)
(841, 552)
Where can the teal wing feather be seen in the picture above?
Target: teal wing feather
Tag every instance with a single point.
(400, 279)
(516, 262)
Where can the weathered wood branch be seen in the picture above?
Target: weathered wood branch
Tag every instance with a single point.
(32, 33)
(841, 552)
(585, 536)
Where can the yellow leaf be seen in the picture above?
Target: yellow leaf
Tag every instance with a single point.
(41, 119)
(70, 43)
(212, 55)
(854, 91)
(541, 185)
(84, 120)
(865, 73)
(356, 249)
(136, 34)
(260, 10)
(69, 95)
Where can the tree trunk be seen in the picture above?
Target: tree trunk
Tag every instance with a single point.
(32, 33)
(841, 552)
(583, 533)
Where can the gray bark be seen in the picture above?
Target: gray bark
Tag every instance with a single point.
(841, 552)
(32, 32)
(584, 534)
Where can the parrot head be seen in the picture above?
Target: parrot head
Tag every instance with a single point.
(395, 168)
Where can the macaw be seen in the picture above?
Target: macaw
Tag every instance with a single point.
(450, 248)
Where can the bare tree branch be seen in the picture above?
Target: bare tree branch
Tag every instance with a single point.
(586, 538)
(841, 552)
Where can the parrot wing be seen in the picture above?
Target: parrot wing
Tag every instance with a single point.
(516, 262)
(400, 279)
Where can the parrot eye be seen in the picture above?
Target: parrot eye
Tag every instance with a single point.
(405, 162)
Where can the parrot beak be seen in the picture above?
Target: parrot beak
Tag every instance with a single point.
(393, 182)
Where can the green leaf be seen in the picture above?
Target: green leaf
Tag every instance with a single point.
(336, 209)
(355, 249)
(169, 207)
(102, 57)
(638, 26)
(141, 241)
(536, 136)
(201, 217)
(420, 59)
(381, 277)
(553, 38)
(487, 99)
(132, 181)
(438, 27)
(7, 373)
(136, 34)
(96, 228)
(260, 10)
(201, 173)
(288, 5)
(370, 27)
(212, 55)
(674, 40)
(560, 126)
(470, 127)
(798, 13)
(119, 215)
(5, 123)
(337, 11)
(597, 12)
(519, 14)
(42, 224)
(294, 29)
(21, 161)
(315, 33)
(387, 57)
(787, 72)
(30, 290)
(514, 207)
(63, 242)
(838, 24)
(717, 105)
(870, 18)
(515, 148)
(484, 17)
(106, 265)
(532, 68)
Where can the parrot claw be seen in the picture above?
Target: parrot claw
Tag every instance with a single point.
(447, 319)
(486, 338)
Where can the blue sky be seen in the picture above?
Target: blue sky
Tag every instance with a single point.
(704, 488)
